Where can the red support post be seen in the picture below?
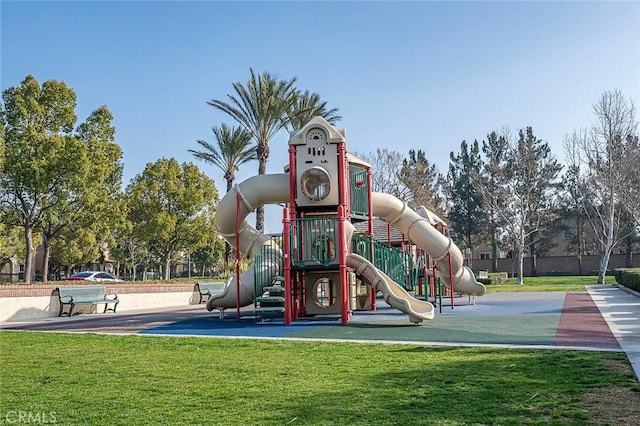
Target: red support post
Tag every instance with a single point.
(344, 284)
(450, 278)
(288, 300)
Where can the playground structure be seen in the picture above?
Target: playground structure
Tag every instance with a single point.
(321, 265)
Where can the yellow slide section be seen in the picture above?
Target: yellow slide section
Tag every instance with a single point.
(393, 293)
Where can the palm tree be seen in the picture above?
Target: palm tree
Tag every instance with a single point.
(305, 107)
(234, 148)
(260, 107)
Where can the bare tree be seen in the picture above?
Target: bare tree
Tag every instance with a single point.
(385, 169)
(603, 157)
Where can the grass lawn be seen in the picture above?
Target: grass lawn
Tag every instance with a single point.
(574, 283)
(107, 379)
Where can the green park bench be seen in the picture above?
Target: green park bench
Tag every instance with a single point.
(208, 289)
(86, 295)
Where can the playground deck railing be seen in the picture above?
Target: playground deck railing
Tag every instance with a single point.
(399, 265)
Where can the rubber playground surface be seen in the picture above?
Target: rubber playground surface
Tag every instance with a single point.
(553, 319)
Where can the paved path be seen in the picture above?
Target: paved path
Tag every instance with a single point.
(621, 310)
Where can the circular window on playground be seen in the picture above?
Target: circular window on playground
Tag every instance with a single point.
(315, 183)
(325, 292)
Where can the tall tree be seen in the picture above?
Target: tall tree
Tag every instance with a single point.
(422, 182)
(234, 148)
(40, 153)
(467, 210)
(631, 191)
(572, 202)
(529, 177)
(495, 150)
(95, 183)
(261, 106)
(602, 157)
(306, 106)
(385, 168)
(171, 207)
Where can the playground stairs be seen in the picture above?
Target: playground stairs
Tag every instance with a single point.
(270, 303)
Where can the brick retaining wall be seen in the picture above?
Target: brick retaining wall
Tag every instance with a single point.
(34, 290)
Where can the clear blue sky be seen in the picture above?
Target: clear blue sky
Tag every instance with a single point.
(423, 75)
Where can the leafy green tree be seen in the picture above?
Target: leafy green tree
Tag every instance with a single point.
(91, 197)
(306, 106)
(260, 106)
(171, 207)
(527, 202)
(492, 178)
(572, 204)
(234, 148)
(467, 210)
(631, 191)
(205, 257)
(73, 248)
(40, 154)
(9, 241)
(422, 182)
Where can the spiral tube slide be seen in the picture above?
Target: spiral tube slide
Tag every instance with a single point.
(420, 230)
(255, 191)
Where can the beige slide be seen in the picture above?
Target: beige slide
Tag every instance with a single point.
(421, 230)
(255, 191)
(392, 292)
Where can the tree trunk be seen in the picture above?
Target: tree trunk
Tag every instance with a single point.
(28, 239)
(534, 260)
(167, 268)
(579, 264)
(520, 266)
(521, 246)
(46, 255)
(604, 262)
(579, 229)
(262, 169)
(494, 247)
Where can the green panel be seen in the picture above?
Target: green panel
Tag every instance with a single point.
(397, 264)
(314, 241)
(359, 191)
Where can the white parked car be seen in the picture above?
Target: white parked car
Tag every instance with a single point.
(97, 276)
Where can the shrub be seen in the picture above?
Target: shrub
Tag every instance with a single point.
(628, 277)
(495, 278)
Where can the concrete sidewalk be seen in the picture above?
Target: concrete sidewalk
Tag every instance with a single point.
(621, 309)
